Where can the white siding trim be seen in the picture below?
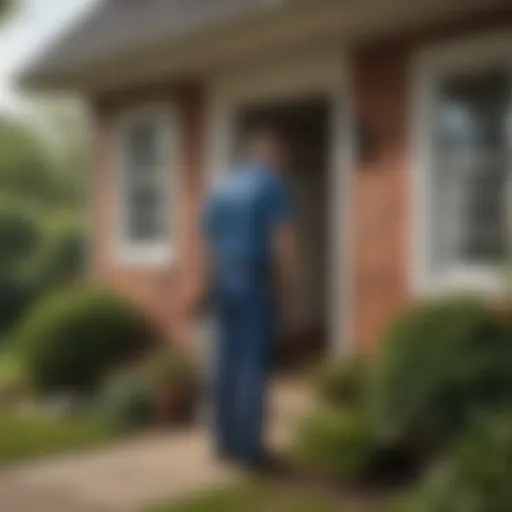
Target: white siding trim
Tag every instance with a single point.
(161, 252)
(472, 54)
(322, 71)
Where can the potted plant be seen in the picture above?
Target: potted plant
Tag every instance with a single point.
(174, 384)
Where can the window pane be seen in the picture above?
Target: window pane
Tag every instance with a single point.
(470, 169)
(145, 171)
(142, 144)
(144, 221)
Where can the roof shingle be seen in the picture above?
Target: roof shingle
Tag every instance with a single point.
(117, 25)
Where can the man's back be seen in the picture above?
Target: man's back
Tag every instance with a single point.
(239, 221)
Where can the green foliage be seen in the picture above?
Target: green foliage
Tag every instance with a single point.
(136, 396)
(474, 477)
(341, 444)
(26, 166)
(19, 236)
(253, 497)
(439, 365)
(13, 382)
(28, 436)
(61, 256)
(342, 383)
(35, 257)
(174, 384)
(41, 241)
(15, 297)
(73, 337)
(7, 7)
(126, 401)
(168, 370)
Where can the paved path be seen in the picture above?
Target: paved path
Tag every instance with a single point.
(131, 475)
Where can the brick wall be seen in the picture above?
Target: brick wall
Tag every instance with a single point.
(380, 196)
(382, 202)
(156, 289)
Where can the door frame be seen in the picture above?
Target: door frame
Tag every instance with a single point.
(294, 75)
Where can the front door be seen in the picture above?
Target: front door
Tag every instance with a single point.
(304, 125)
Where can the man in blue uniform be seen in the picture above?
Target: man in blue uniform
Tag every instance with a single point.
(251, 255)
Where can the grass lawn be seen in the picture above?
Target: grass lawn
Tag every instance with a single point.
(254, 497)
(28, 436)
(10, 366)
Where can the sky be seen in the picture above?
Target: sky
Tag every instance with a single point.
(35, 24)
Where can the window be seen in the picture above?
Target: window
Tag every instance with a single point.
(145, 188)
(466, 162)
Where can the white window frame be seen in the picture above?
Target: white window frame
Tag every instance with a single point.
(474, 55)
(161, 251)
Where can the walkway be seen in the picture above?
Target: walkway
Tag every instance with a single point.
(131, 475)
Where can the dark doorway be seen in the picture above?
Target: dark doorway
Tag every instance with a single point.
(305, 126)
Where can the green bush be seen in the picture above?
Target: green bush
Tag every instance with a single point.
(475, 475)
(338, 443)
(72, 338)
(342, 383)
(439, 365)
(126, 401)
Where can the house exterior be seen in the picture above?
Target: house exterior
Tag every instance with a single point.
(419, 98)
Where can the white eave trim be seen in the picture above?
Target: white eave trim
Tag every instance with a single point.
(268, 30)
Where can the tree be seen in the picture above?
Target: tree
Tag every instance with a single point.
(41, 240)
(63, 127)
(6, 7)
(25, 164)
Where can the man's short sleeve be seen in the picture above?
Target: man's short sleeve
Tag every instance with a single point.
(280, 203)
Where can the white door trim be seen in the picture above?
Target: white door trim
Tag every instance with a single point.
(321, 71)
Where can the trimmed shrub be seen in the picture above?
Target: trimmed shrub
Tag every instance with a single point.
(342, 383)
(72, 338)
(474, 477)
(439, 365)
(337, 443)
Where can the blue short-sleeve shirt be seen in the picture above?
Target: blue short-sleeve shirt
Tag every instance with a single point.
(240, 217)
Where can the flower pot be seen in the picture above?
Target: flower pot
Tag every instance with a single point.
(174, 405)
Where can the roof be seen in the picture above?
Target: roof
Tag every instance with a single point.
(121, 42)
(114, 26)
